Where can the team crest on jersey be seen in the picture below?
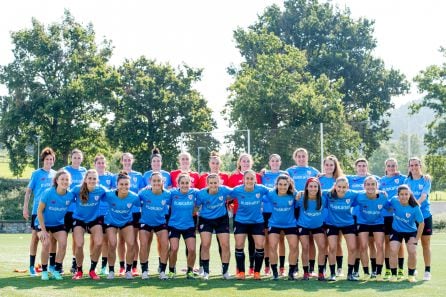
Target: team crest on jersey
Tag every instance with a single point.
(190, 197)
(420, 187)
(96, 198)
(308, 172)
(220, 198)
(408, 215)
(258, 195)
(129, 205)
(290, 202)
(380, 206)
(67, 202)
(108, 182)
(397, 180)
(163, 202)
(347, 201)
(135, 179)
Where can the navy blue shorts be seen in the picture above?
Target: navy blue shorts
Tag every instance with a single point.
(252, 229)
(333, 230)
(427, 230)
(399, 236)
(177, 233)
(266, 217)
(388, 225)
(306, 231)
(33, 221)
(53, 229)
(219, 225)
(370, 228)
(286, 231)
(68, 221)
(119, 227)
(136, 217)
(87, 226)
(155, 229)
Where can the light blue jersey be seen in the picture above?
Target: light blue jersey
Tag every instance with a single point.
(282, 215)
(419, 187)
(312, 217)
(90, 210)
(153, 207)
(269, 180)
(77, 177)
(339, 209)
(136, 184)
(405, 217)
(300, 174)
(327, 183)
(40, 181)
(249, 204)
(108, 181)
(390, 184)
(181, 209)
(120, 209)
(56, 207)
(370, 211)
(213, 205)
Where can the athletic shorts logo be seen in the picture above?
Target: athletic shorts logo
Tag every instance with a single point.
(408, 215)
(142, 225)
(201, 227)
(74, 223)
(300, 230)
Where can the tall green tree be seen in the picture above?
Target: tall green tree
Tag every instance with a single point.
(59, 87)
(155, 104)
(432, 83)
(283, 104)
(339, 47)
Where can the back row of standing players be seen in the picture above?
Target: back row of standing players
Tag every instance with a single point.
(419, 184)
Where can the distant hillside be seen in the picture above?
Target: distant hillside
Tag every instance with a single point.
(401, 121)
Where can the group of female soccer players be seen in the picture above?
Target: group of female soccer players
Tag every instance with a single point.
(122, 212)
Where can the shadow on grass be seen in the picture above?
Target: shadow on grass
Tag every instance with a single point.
(215, 282)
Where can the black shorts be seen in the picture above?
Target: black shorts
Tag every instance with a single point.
(266, 217)
(68, 221)
(370, 228)
(119, 227)
(149, 228)
(177, 233)
(136, 217)
(286, 231)
(388, 225)
(53, 229)
(306, 231)
(33, 221)
(87, 226)
(427, 229)
(333, 230)
(252, 229)
(195, 218)
(220, 225)
(399, 236)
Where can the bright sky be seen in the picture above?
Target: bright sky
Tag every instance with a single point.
(199, 32)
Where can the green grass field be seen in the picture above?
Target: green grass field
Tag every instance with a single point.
(14, 254)
(6, 173)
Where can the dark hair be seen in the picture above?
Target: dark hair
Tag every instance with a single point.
(155, 153)
(122, 175)
(389, 160)
(98, 156)
(290, 181)
(409, 175)
(84, 188)
(157, 173)
(47, 152)
(181, 176)
(76, 151)
(337, 172)
(212, 175)
(318, 195)
(59, 173)
(412, 201)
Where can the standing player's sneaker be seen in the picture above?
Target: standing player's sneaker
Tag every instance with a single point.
(332, 278)
(356, 274)
(373, 276)
(321, 277)
(227, 276)
(388, 274)
(313, 274)
(282, 271)
(190, 275)
(172, 275)
(400, 273)
(78, 275)
(145, 275)
(427, 276)
(379, 278)
(51, 269)
(240, 276)
(267, 270)
(111, 275)
(32, 272)
(121, 271)
(205, 276)
(163, 276)
(135, 272)
(251, 271)
(128, 275)
(92, 274)
(45, 276)
(201, 271)
(57, 276)
(103, 271)
(257, 276)
(306, 276)
(411, 279)
(339, 272)
(393, 278)
(352, 277)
